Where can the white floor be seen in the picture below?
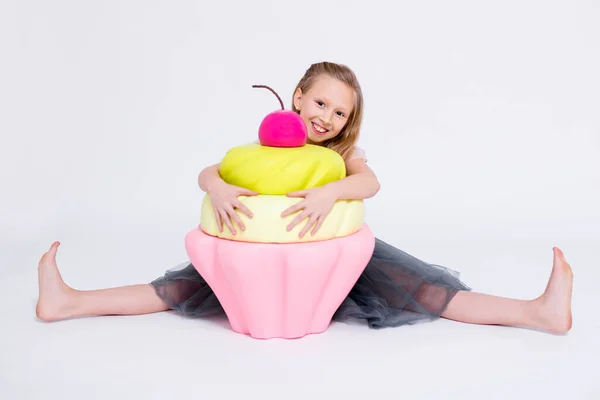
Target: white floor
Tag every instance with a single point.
(164, 355)
(481, 122)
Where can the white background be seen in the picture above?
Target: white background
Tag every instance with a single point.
(481, 121)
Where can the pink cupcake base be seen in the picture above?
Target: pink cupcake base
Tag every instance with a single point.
(280, 290)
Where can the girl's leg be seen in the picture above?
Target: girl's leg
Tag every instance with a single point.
(59, 301)
(551, 311)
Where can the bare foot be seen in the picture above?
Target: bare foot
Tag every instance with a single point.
(55, 297)
(553, 307)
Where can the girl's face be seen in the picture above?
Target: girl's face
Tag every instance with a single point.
(325, 108)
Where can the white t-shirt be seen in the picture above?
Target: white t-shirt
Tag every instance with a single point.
(358, 153)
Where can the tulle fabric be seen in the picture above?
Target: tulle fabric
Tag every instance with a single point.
(394, 289)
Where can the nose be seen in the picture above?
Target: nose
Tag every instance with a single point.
(326, 119)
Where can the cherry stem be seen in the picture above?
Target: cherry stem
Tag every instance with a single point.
(275, 93)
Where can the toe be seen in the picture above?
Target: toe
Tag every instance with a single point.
(43, 259)
(559, 255)
(53, 249)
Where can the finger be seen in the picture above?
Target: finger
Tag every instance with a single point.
(297, 220)
(227, 221)
(317, 226)
(236, 218)
(309, 224)
(242, 207)
(293, 209)
(246, 192)
(300, 193)
(218, 218)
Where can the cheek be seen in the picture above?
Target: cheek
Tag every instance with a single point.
(306, 113)
(339, 125)
(303, 115)
(306, 119)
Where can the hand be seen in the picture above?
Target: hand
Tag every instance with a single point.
(316, 206)
(224, 198)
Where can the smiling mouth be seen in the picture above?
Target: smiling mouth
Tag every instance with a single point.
(318, 129)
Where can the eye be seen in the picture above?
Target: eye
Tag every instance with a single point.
(341, 114)
(320, 103)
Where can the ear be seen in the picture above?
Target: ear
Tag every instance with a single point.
(298, 98)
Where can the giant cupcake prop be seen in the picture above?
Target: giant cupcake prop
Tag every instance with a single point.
(270, 282)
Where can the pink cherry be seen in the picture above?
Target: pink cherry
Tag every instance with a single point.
(282, 128)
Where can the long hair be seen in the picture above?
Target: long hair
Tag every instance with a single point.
(345, 141)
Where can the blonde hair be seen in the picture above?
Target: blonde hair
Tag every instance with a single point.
(345, 141)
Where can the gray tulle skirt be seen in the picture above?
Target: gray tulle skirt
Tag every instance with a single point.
(394, 289)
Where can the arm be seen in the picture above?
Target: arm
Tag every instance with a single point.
(209, 177)
(360, 182)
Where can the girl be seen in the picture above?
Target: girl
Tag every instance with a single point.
(395, 288)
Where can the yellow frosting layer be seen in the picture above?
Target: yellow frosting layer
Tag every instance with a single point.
(278, 171)
(267, 225)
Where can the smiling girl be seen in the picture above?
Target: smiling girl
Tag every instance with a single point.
(395, 288)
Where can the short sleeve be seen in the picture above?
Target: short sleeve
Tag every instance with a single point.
(358, 153)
